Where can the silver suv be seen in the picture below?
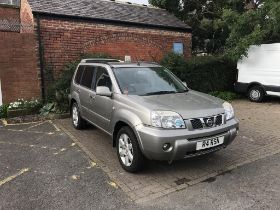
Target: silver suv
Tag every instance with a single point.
(149, 112)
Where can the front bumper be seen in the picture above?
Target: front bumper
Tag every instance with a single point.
(183, 141)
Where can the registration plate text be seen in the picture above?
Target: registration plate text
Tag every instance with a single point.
(208, 143)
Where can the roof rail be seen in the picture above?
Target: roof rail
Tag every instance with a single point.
(100, 60)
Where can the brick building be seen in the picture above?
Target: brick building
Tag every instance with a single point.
(38, 37)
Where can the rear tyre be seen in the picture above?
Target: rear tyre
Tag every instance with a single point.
(77, 121)
(256, 94)
(129, 154)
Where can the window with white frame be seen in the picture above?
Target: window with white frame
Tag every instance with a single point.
(10, 2)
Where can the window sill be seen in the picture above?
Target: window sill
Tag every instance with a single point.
(9, 6)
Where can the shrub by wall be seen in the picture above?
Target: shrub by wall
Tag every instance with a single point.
(205, 74)
(57, 92)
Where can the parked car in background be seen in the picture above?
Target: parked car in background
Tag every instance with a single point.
(259, 73)
(149, 112)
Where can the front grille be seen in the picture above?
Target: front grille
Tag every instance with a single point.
(196, 124)
(207, 122)
(208, 137)
(219, 120)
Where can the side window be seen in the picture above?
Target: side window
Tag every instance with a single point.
(79, 74)
(103, 78)
(88, 77)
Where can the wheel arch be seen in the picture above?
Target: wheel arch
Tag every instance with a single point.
(252, 84)
(117, 127)
(125, 118)
(72, 101)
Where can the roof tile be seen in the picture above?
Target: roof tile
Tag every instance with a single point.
(110, 11)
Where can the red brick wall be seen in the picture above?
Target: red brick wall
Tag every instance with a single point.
(9, 18)
(9, 13)
(18, 61)
(18, 67)
(26, 17)
(65, 40)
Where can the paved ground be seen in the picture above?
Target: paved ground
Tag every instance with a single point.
(252, 186)
(257, 139)
(41, 166)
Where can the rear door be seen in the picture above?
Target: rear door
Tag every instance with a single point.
(86, 92)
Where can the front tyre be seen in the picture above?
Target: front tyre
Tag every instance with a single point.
(77, 121)
(256, 94)
(128, 151)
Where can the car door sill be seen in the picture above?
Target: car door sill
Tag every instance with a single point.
(98, 126)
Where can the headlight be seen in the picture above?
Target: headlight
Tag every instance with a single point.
(228, 110)
(167, 119)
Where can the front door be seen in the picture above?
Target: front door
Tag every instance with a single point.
(102, 105)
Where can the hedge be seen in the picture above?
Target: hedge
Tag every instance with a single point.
(205, 74)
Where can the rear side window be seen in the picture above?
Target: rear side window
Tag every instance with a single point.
(79, 74)
(103, 78)
(87, 76)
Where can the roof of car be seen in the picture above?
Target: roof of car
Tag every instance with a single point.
(110, 11)
(118, 63)
(100, 60)
(133, 64)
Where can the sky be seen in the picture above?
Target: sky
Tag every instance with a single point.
(137, 1)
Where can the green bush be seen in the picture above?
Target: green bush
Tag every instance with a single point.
(48, 109)
(203, 74)
(225, 95)
(57, 92)
(3, 111)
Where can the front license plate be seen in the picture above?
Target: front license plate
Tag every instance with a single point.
(208, 143)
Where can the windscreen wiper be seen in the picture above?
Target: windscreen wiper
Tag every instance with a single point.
(159, 93)
(183, 91)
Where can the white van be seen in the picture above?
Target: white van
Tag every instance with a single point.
(259, 73)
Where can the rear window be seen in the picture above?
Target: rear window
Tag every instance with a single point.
(87, 76)
(79, 74)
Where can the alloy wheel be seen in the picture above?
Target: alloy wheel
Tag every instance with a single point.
(75, 115)
(125, 150)
(255, 94)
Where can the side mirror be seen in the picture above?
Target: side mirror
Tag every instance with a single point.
(184, 83)
(103, 91)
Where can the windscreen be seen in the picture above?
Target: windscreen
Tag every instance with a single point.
(147, 81)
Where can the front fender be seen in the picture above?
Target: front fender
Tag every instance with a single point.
(130, 119)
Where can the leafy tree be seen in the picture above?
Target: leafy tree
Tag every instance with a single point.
(227, 26)
(204, 16)
(258, 25)
(172, 6)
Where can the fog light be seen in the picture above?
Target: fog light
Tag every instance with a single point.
(166, 146)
